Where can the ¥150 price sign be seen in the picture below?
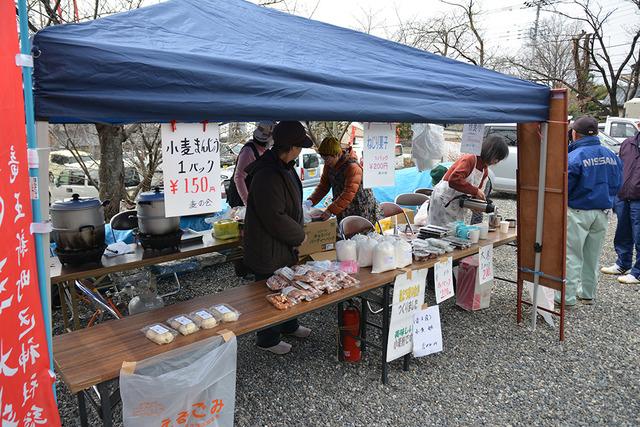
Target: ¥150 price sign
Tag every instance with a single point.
(191, 168)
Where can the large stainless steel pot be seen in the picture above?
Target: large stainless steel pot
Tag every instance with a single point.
(151, 214)
(78, 224)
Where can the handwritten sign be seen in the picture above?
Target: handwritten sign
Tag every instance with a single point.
(26, 384)
(408, 297)
(427, 332)
(379, 155)
(191, 168)
(485, 267)
(472, 136)
(443, 276)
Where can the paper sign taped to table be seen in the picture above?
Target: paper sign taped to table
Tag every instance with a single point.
(408, 297)
(427, 332)
(485, 263)
(378, 155)
(443, 277)
(472, 136)
(191, 169)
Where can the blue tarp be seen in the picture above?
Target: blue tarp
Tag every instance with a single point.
(230, 60)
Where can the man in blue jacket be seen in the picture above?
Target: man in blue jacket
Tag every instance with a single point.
(594, 179)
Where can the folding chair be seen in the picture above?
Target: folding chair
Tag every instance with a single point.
(390, 209)
(354, 224)
(425, 191)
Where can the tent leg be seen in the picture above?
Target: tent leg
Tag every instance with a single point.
(542, 177)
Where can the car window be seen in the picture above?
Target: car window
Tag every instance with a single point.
(310, 161)
(57, 159)
(71, 177)
(623, 130)
(510, 135)
(94, 176)
(606, 139)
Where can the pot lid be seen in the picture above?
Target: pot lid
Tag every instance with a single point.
(152, 196)
(76, 203)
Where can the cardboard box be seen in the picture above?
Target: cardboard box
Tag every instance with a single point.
(321, 236)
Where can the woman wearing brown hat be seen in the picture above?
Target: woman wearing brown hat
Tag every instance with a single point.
(342, 174)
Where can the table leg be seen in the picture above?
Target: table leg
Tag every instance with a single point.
(82, 409)
(386, 320)
(63, 304)
(340, 330)
(405, 362)
(105, 405)
(363, 324)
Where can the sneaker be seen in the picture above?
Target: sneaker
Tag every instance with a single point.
(301, 332)
(279, 349)
(614, 270)
(629, 279)
(586, 301)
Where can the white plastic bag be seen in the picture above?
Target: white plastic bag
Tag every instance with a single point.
(192, 384)
(365, 251)
(384, 258)
(346, 250)
(427, 144)
(404, 253)
(422, 216)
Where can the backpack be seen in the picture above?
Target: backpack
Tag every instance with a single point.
(233, 197)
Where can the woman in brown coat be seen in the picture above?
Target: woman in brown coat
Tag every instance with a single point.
(342, 174)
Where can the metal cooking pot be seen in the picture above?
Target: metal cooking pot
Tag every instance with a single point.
(78, 224)
(151, 214)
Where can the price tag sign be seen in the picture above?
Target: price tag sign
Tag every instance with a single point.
(427, 332)
(378, 155)
(443, 276)
(485, 267)
(472, 136)
(191, 169)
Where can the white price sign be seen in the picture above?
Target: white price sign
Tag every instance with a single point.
(378, 155)
(485, 267)
(472, 136)
(427, 332)
(191, 168)
(443, 277)
(408, 297)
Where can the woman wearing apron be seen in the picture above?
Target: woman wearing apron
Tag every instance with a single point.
(466, 176)
(342, 174)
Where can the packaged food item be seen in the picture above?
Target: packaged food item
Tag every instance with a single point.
(345, 280)
(384, 258)
(159, 334)
(346, 250)
(311, 293)
(277, 282)
(349, 266)
(285, 272)
(293, 293)
(225, 313)
(365, 247)
(279, 301)
(203, 319)
(183, 324)
(403, 252)
(226, 229)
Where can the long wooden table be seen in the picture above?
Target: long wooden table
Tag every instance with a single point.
(93, 356)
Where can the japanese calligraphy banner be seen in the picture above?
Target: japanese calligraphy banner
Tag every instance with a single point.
(191, 168)
(408, 297)
(472, 136)
(26, 393)
(378, 155)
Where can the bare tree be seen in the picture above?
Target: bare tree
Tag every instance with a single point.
(144, 152)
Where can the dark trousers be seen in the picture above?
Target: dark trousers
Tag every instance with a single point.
(628, 235)
(271, 336)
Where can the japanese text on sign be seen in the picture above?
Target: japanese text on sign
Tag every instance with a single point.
(191, 169)
(427, 332)
(408, 297)
(485, 267)
(443, 276)
(379, 155)
(472, 136)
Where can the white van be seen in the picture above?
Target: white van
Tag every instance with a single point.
(621, 128)
(309, 166)
(72, 180)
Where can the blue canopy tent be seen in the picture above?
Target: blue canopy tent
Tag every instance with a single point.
(231, 60)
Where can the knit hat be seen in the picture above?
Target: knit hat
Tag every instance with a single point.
(263, 131)
(329, 147)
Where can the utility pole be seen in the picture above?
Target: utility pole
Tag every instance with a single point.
(538, 4)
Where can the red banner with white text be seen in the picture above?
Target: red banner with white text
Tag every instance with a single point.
(26, 394)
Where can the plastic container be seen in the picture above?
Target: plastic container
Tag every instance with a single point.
(159, 334)
(225, 313)
(204, 319)
(183, 324)
(281, 302)
(226, 229)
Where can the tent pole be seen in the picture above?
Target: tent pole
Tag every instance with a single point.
(41, 255)
(542, 177)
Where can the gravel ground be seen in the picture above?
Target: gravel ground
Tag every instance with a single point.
(491, 372)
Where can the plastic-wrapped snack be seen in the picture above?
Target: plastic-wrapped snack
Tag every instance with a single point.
(294, 293)
(204, 319)
(346, 280)
(224, 313)
(277, 282)
(311, 293)
(159, 334)
(279, 301)
(285, 272)
(183, 324)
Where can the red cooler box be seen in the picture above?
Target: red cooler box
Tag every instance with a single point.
(470, 295)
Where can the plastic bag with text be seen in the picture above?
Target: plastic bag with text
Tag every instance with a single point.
(427, 144)
(185, 386)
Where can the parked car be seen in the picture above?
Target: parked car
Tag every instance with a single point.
(309, 166)
(73, 180)
(620, 128)
(503, 175)
(61, 159)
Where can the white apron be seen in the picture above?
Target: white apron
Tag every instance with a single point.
(442, 194)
